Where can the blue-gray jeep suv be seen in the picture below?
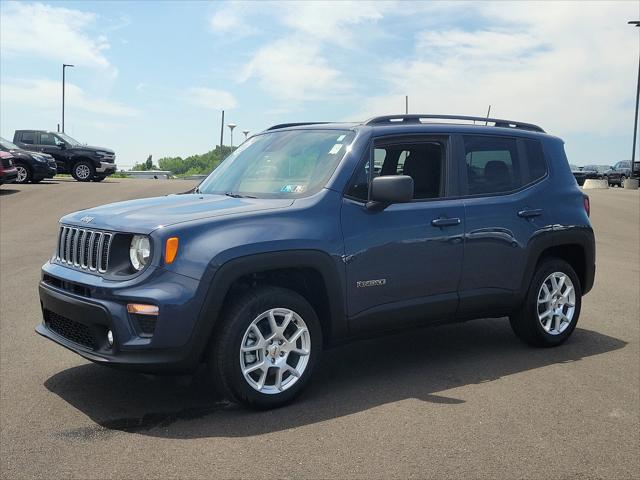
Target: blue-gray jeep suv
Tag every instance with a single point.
(312, 234)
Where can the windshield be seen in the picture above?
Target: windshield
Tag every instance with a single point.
(8, 145)
(71, 141)
(281, 164)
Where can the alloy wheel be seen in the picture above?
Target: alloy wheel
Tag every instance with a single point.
(83, 171)
(22, 174)
(275, 349)
(556, 303)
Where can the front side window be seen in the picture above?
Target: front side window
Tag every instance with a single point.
(422, 161)
(49, 139)
(492, 164)
(280, 164)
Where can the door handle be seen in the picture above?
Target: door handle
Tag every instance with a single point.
(530, 212)
(445, 222)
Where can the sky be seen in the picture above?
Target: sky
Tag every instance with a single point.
(151, 78)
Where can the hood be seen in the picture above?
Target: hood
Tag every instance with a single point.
(92, 148)
(147, 214)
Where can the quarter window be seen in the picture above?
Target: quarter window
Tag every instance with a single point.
(535, 160)
(492, 164)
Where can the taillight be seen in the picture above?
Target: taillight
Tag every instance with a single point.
(587, 205)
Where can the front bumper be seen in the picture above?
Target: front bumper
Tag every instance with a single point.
(106, 167)
(8, 176)
(44, 170)
(79, 315)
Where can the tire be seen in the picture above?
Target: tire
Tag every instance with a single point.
(24, 173)
(527, 323)
(622, 179)
(83, 171)
(246, 316)
(98, 178)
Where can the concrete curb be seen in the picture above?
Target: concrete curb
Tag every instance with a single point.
(592, 184)
(631, 184)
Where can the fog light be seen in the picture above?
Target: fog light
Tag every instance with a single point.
(110, 338)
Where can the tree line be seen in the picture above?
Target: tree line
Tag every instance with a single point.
(193, 165)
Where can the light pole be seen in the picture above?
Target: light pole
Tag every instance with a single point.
(64, 65)
(246, 134)
(635, 119)
(231, 127)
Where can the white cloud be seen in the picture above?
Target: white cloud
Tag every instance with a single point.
(211, 98)
(331, 21)
(45, 94)
(292, 70)
(54, 33)
(569, 67)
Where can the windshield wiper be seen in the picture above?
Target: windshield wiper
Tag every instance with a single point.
(237, 195)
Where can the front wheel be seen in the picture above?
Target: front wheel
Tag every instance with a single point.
(265, 351)
(24, 173)
(83, 171)
(622, 179)
(551, 308)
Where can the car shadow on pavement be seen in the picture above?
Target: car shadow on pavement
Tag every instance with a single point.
(7, 191)
(351, 378)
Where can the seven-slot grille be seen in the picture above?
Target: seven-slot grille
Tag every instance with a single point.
(84, 249)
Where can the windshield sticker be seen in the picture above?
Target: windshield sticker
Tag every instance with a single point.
(293, 189)
(336, 148)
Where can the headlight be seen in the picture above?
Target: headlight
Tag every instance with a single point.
(139, 252)
(39, 158)
(100, 153)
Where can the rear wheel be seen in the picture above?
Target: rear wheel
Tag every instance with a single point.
(24, 173)
(83, 171)
(267, 347)
(551, 308)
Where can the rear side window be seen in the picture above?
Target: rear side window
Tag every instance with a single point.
(28, 137)
(537, 167)
(493, 165)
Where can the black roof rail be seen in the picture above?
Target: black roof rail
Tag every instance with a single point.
(299, 124)
(417, 118)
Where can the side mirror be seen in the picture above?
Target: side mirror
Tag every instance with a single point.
(390, 189)
(62, 146)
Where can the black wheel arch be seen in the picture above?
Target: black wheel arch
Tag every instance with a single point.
(312, 273)
(574, 245)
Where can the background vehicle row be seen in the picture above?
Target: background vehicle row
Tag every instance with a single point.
(84, 162)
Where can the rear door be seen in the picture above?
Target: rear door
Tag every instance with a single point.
(403, 263)
(501, 181)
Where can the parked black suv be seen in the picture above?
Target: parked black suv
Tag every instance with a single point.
(84, 162)
(619, 172)
(31, 166)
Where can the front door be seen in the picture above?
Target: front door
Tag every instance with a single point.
(403, 263)
(49, 143)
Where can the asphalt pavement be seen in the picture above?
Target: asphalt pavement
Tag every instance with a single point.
(458, 401)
